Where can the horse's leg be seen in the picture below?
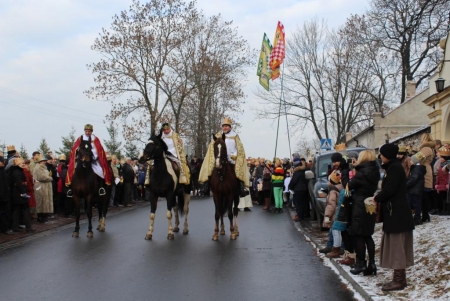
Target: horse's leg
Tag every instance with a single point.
(89, 200)
(77, 202)
(235, 213)
(102, 209)
(153, 204)
(187, 199)
(222, 225)
(177, 218)
(230, 201)
(170, 200)
(216, 217)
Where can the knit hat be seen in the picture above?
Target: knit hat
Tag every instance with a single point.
(296, 161)
(389, 151)
(335, 177)
(352, 154)
(336, 157)
(418, 158)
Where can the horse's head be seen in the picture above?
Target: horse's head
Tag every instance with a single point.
(154, 148)
(220, 151)
(84, 154)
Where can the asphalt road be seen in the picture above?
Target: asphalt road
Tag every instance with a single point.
(270, 260)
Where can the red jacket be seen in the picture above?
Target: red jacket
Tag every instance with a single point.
(30, 189)
(442, 180)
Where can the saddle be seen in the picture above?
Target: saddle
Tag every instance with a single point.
(175, 165)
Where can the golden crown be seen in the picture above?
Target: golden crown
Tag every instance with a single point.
(444, 152)
(340, 147)
(226, 121)
(402, 148)
(62, 157)
(10, 148)
(420, 156)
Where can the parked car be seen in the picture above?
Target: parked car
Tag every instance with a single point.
(320, 167)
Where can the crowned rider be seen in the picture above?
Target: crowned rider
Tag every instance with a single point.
(176, 152)
(236, 156)
(99, 163)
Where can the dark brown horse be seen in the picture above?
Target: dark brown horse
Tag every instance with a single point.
(223, 186)
(164, 177)
(85, 184)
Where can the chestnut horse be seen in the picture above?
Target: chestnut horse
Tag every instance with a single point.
(164, 175)
(223, 185)
(85, 184)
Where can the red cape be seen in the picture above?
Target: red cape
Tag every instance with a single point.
(101, 159)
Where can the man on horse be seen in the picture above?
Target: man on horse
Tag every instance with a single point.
(236, 156)
(99, 163)
(176, 152)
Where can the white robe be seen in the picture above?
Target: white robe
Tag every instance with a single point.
(95, 164)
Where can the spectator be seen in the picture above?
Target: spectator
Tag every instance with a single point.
(299, 186)
(30, 190)
(414, 186)
(397, 241)
(427, 149)
(116, 179)
(43, 190)
(128, 182)
(4, 200)
(442, 179)
(277, 186)
(141, 181)
(54, 174)
(286, 192)
(19, 196)
(266, 186)
(404, 159)
(257, 179)
(362, 226)
(194, 166)
(33, 161)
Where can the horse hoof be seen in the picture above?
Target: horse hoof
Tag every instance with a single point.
(236, 233)
(176, 230)
(222, 232)
(233, 237)
(102, 229)
(148, 237)
(98, 227)
(170, 236)
(75, 234)
(90, 234)
(215, 238)
(185, 231)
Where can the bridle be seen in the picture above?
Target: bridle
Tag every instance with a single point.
(220, 161)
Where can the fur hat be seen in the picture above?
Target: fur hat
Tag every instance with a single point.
(336, 157)
(335, 177)
(41, 158)
(389, 151)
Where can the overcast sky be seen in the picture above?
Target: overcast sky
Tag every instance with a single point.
(45, 46)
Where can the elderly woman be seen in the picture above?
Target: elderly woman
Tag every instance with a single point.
(397, 241)
(43, 190)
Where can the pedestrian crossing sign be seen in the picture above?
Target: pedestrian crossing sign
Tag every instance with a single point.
(325, 144)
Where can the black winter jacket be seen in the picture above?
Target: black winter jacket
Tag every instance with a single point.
(397, 217)
(416, 180)
(298, 181)
(4, 186)
(364, 184)
(18, 182)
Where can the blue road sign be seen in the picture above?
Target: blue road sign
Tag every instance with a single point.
(325, 144)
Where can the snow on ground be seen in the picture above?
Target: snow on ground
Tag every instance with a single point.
(428, 279)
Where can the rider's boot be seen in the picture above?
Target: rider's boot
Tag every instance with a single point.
(101, 190)
(242, 191)
(69, 192)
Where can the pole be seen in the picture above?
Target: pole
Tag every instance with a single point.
(279, 113)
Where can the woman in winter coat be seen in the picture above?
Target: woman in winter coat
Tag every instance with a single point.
(30, 190)
(414, 186)
(43, 190)
(442, 179)
(397, 241)
(427, 150)
(363, 185)
(299, 185)
(266, 184)
(19, 196)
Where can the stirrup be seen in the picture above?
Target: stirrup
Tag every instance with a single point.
(69, 193)
(101, 191)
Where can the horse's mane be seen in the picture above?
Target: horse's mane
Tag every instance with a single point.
(223, 151)
(158, 137)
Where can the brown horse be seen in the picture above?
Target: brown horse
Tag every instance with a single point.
(223, 185)
(85, 184)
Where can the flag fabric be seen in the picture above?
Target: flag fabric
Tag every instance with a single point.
(278, 51)
(264, 71)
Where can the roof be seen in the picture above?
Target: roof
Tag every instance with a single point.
(418, 130)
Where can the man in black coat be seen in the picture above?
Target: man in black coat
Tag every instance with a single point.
(299, 186)
(128, 182)
(5, 199)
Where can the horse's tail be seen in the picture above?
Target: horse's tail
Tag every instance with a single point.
(181, 200)
(224, 205)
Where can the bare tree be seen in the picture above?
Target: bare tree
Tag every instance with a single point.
(411, 29)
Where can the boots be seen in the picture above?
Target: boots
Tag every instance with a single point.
(371, 268)
(348, 259)
(325, 250)
(417, 221)
(335, 253)
(398, 282)
(360, 266)
(266, 204)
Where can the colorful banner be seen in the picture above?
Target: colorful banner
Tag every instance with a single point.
(264, 71)
(278, 51)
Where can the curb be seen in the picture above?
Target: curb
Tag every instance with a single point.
(356, 286)
(21, 241)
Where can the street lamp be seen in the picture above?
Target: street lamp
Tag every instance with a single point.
(439, 84)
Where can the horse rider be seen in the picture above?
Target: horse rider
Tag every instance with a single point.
(176, 152)
(236, 156)
(99, 163)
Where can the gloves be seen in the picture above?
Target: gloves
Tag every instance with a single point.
(24, 195)
(326, 220)
(446, 186)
